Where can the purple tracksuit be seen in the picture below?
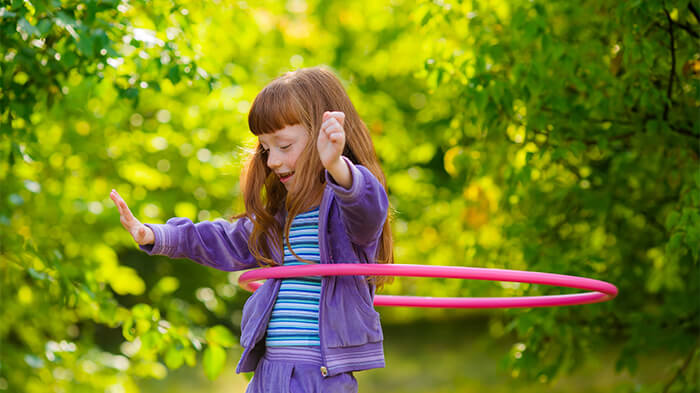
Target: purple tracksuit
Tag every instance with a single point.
(350, 225)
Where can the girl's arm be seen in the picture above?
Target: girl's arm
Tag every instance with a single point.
(363, 201)
(364, 205)
(218, 244)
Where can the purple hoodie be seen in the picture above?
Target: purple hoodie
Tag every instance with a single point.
(350, 227)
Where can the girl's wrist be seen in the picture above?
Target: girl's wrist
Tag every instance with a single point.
(147, 237)
(340, 172)
(150, 236)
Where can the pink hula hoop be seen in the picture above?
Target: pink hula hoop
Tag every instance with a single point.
(601, 290)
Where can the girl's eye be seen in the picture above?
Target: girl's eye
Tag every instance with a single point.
(285, 147)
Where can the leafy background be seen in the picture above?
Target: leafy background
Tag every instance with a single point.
(547, 136)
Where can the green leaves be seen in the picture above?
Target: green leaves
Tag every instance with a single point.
(27, 29)
(56, 173)
(526, 135)
(174, 357)
(214, 361)
(218, 338)
(608, 177)
(220, 335)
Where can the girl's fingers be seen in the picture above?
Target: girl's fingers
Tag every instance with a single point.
(331, 125)
(331, 140)
(124, 209)
(127, 211)
(337, 115)
(335, 137)
(332, 128)
(126, 217)
(327, 123)
(137, 230)
(113, 196)
(117, 199)
(340, 117)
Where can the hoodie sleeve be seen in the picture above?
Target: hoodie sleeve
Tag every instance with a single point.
(364, 206)
(219, 244)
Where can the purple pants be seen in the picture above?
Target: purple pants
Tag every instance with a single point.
(274, 375)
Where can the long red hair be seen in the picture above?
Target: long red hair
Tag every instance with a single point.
(301, 97)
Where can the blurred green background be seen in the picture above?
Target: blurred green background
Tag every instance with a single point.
(548, 136)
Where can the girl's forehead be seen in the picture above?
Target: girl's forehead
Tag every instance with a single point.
(287, 132)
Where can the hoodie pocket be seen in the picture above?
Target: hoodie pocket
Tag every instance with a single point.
(353, 320)
(256, 313)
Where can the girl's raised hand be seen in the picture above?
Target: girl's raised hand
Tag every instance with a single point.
(142, 234)
(331, 139)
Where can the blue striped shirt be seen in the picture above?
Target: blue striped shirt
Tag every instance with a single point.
(294, 319)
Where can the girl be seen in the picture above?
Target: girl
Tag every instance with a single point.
(314, 193)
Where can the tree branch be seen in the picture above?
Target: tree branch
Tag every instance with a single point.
(685, 131)
(688, 29)
(669, 92)
(589, 119)
(694, 11)
(642, 120)
(680, 371)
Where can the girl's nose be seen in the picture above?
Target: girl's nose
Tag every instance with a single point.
(273, 160)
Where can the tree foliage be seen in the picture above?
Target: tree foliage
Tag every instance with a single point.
(546, 136)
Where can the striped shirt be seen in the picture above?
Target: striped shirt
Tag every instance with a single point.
(294, 319)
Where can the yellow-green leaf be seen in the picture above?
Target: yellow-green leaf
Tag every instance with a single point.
(214, 361)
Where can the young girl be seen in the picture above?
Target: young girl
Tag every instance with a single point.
(314, 193)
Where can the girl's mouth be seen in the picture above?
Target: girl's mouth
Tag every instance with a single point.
(284, 177)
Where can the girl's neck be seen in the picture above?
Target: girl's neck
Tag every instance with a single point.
(313, 202)
(317, 201)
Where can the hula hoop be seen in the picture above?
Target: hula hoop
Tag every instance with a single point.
(601, 290)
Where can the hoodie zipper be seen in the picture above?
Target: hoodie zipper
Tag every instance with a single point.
(325, 258)
(323, 222)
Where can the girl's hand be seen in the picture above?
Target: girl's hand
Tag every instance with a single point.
(142, 234)
(331, 139)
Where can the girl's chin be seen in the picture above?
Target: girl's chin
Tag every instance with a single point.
(288, 182)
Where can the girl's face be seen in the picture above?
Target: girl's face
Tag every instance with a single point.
(283, 148)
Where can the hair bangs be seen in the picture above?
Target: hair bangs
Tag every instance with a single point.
(274, 108)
